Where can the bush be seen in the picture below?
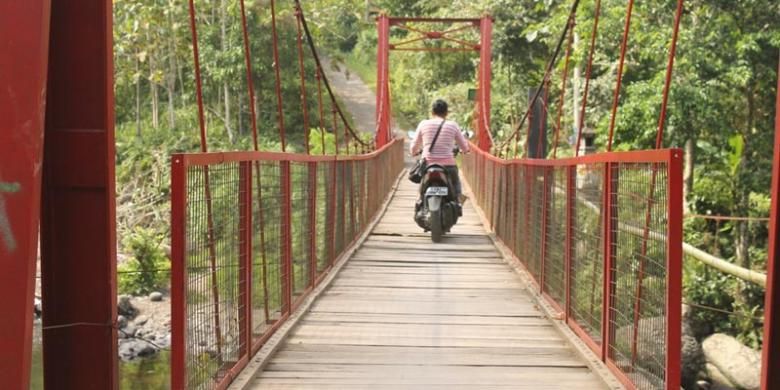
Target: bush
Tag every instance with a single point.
(149, 268)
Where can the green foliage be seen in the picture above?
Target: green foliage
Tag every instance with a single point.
(148, 268)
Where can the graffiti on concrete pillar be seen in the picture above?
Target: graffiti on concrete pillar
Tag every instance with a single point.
(6, 234)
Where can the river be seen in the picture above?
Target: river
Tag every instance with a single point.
(142, 374)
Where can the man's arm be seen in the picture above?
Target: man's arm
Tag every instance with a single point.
(463, 144)
(417, 143)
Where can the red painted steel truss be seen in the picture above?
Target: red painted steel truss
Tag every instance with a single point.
(450, 43)
(57, 178)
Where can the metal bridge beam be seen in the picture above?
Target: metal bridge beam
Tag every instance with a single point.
(383, 82)
(482, 106)
(770, 369)
(24, 42)
(484, 139)
(78, 240)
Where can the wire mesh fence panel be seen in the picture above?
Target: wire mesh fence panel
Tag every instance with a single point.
(251, 234)
(324, 221)
(213, 269)
(638, 284)
(587, 264)
(584, 232)
(301, 229)
(555, 240)
(536, 222)
(267, 305)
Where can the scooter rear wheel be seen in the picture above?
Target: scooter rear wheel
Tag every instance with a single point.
(437, 231)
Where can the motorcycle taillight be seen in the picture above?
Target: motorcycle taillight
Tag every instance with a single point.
(434, 175)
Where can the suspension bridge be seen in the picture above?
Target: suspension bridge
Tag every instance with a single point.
(306, 271)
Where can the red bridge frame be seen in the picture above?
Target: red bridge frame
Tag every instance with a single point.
(57, 100)
(57, 175)
(482, 108)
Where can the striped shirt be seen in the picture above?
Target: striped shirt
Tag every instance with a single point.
(442, 151)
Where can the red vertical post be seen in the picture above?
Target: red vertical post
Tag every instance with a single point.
(674, 271)
(515, 196)
(278, 78)
(304, 105)
(178, 273)
(313, 222)
(78, 224)
(528, 194)
(351, 188)
(545, 217)
(322, 114)
(770, 368)
(382, 80)
(245, 259)
(571, 188)
(623, 49)
(330, 224)
(287, 280)
(484, 139)
(342, 207)
(335, 130)
(609, 239)
(22, 107)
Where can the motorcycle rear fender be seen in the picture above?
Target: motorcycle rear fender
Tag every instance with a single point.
(434, 203)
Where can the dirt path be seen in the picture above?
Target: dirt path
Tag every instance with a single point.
(358, 98)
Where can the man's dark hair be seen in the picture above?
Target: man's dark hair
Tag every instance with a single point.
(440, 107)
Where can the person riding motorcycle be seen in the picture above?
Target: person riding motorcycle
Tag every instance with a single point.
(443, 151)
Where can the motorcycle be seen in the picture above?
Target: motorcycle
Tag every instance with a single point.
(437, 208)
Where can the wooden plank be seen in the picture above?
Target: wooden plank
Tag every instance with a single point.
(407, 313)
(300, 385)
(373, 318)
(502, 352)
(428, 342)
(431, 330)
(398, 293)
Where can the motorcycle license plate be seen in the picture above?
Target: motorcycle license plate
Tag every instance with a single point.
(436, 191)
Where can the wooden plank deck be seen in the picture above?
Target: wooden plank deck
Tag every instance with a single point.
(407, 313)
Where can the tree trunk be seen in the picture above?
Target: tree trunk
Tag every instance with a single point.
(153, 87)
(155, 96)
(741, 186)
(575, 93)
(238, 117)
(170, 76)
(688, 173)
(138, 96)
(225, 86)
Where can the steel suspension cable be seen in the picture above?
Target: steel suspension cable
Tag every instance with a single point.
(651, 195)
(249, 80)
(304, 107)
(623, 49)
(668, 82)
(207, 186)
(275, 46)
(588, 73)
(563, 87)
(319, 103)
(259, 189)
(316, 56)
(198, 81)
(548, 70)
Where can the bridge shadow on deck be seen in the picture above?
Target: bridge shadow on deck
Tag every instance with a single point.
(407, 313)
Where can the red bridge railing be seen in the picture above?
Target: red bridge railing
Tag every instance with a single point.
(601, 236)
(253, 234)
